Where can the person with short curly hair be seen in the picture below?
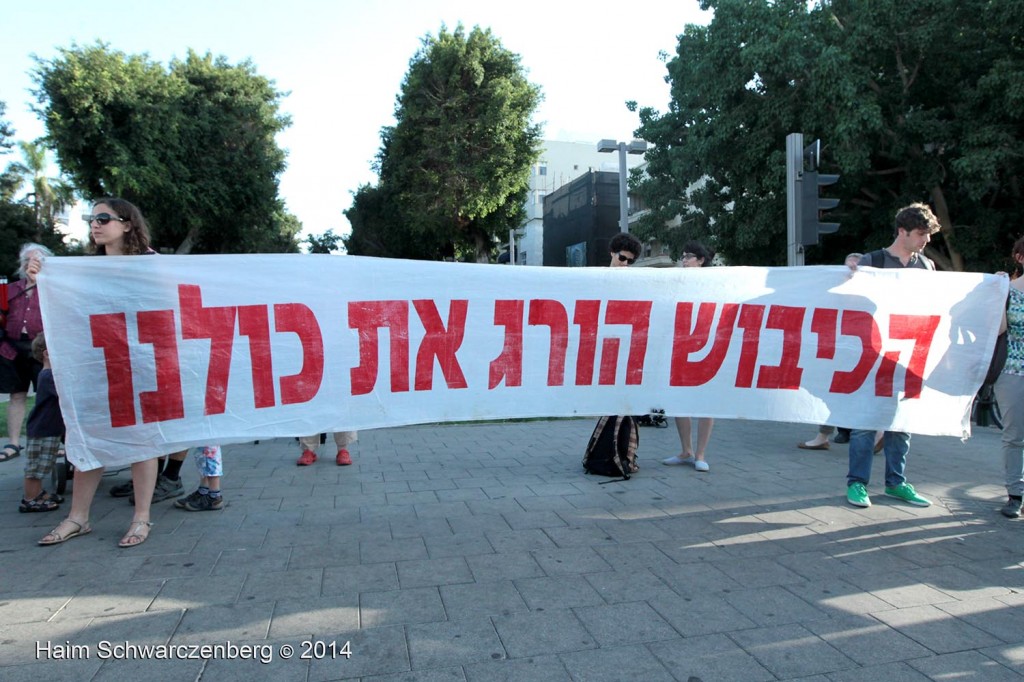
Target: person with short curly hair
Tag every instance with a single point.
(624, 249)
(914, 226)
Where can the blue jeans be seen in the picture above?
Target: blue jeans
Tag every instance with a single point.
(862, 447)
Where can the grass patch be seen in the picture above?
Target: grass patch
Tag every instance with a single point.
(29, 404)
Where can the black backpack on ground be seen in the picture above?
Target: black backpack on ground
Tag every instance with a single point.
(612, 448)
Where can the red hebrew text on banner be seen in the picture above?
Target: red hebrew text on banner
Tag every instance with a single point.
(152, 355)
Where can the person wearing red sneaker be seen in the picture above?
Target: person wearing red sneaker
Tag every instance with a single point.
(342, 439)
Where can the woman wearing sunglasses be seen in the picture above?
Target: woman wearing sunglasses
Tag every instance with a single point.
(695, 255)
(116, 228)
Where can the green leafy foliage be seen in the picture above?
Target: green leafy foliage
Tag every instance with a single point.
(381, 229)
(17, 226)
(325, 243)
(6, 131)
(455, 167)
(49, 195)
(18, 219)
(192, 144)
(913, 101)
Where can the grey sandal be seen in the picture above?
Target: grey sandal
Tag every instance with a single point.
(134, 538)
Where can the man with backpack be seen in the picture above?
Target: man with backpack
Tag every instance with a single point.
(914, 226)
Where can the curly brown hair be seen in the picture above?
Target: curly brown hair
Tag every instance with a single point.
(136, 239)
(916, 216)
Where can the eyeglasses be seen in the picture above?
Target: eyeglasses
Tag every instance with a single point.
(625, 259)
(688, 256)
(102, 218)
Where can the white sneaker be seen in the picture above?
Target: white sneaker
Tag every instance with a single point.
(678, 459)
(701, 465)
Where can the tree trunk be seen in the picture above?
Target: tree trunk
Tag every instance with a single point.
(956, 259)
(481, 247)
(188, 242)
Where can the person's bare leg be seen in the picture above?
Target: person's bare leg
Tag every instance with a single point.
(684, 427)
(33, 488)
(144, 480)
(86, 483)
(16, 417)
(704, 426)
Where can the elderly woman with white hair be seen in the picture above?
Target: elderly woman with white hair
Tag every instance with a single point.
(22, 322)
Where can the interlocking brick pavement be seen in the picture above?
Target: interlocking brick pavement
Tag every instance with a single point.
(482, 552)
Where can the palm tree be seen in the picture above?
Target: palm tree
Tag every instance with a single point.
(50, 195)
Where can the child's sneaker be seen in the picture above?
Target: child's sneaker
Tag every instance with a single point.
(193, 497)
(343, 459)
(906, 492)
(205, 503)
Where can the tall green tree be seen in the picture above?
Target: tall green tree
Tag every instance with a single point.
(50, 196)
(915, 100)
(380, 228)
(454, 169)
(193, 144)
(17, 220)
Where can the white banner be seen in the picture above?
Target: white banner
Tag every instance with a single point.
(155, 354)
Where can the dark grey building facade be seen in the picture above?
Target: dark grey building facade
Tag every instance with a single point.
(580, 219)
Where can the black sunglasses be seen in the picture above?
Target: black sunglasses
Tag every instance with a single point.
(102, 218)
(626, 260)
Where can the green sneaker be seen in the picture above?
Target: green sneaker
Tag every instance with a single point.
(906, 492)
(857, 495)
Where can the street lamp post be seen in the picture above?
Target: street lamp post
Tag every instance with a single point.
(634, 147)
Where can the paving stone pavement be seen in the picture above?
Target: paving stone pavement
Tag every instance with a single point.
(482, 552)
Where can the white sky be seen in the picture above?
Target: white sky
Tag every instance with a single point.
(343, 62)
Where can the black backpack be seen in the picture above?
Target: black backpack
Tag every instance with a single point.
(995, 366)
(612, 448)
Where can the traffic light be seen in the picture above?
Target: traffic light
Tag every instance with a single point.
(811, 205)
